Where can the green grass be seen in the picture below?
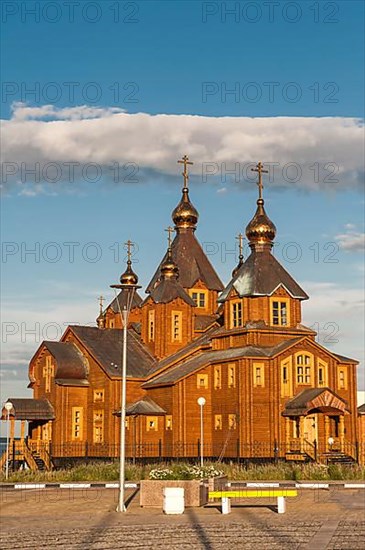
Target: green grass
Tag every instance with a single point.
(109, 471)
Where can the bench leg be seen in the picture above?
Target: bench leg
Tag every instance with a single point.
(281, 505)
(226, 505)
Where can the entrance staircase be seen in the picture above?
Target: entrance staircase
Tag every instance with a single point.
(306, 451)
(337, 457)
(35, 455)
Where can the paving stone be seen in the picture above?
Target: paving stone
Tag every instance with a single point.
(78, 520)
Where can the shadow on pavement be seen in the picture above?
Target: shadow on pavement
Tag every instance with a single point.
(199, 529)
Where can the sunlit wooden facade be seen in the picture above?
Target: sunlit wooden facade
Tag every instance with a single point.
(271, 391)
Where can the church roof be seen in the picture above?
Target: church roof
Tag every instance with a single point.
(202, 322)
(121, 298)
(168, 290)
(30, 409)
(70, 363)
(106, 346)
(184, 368)
(260, 275)
(190, 350)
(145, 406)
(313, 398)
(192, 262)
(344, 359)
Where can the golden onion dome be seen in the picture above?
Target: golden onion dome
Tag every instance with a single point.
(128, 277)
(185, 214)
(169, 269)
(261, 229)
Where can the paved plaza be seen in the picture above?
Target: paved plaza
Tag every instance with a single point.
(332, 519)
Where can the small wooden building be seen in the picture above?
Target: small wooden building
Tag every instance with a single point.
(271, 391)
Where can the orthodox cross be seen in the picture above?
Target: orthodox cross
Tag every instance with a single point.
(129, 246)
(101, 300)
(240, 243)
(185, 161)
(260, 169)
(170, 231)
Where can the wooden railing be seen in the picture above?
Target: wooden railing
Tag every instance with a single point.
(310, 449)
(295, 444)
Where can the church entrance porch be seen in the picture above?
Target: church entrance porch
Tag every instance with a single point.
(315, 427)
(32, 451)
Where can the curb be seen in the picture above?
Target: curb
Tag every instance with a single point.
(249, 484)
(299, 485)
(8, 486)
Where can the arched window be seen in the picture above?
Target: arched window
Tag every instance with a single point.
(304, 368)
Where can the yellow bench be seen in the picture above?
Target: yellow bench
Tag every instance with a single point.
(226, 496)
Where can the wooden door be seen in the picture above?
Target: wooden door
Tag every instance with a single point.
(311, 428)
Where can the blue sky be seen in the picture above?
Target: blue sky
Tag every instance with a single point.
(248, 86)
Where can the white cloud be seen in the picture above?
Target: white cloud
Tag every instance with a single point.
(21, 111)
(352, 240)
(154, 142)
(337, 314)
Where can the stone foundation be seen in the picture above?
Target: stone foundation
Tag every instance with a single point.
(151, 492)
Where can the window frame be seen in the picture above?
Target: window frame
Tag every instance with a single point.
(281, 302)
(304, 370)
(98, 426)
(151, 325)
(176, 328)
(199, 378)
(98, 399)
(218, 423)
(200, 297)
(236, 313)
(231, 375)
(258, 373)
(77, 422)
(217, 374)
(150, 419)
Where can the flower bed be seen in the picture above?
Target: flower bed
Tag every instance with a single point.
(185, 472)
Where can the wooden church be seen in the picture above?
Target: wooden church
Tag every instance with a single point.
(271, 391)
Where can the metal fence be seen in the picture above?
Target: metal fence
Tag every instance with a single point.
(160, 450)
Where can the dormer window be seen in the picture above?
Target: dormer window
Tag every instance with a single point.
(199, 297)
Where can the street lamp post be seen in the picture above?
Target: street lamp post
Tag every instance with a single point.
(128, 285)
(201, 403)
(8, 406)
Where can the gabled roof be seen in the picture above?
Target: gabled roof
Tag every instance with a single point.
(260, 275)
(145, 406)
(184, 368)
(361, 409)
(105, 345)
(30, 409)
(168, 290)
(314, 398)
(192, 262)
(70, 363)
